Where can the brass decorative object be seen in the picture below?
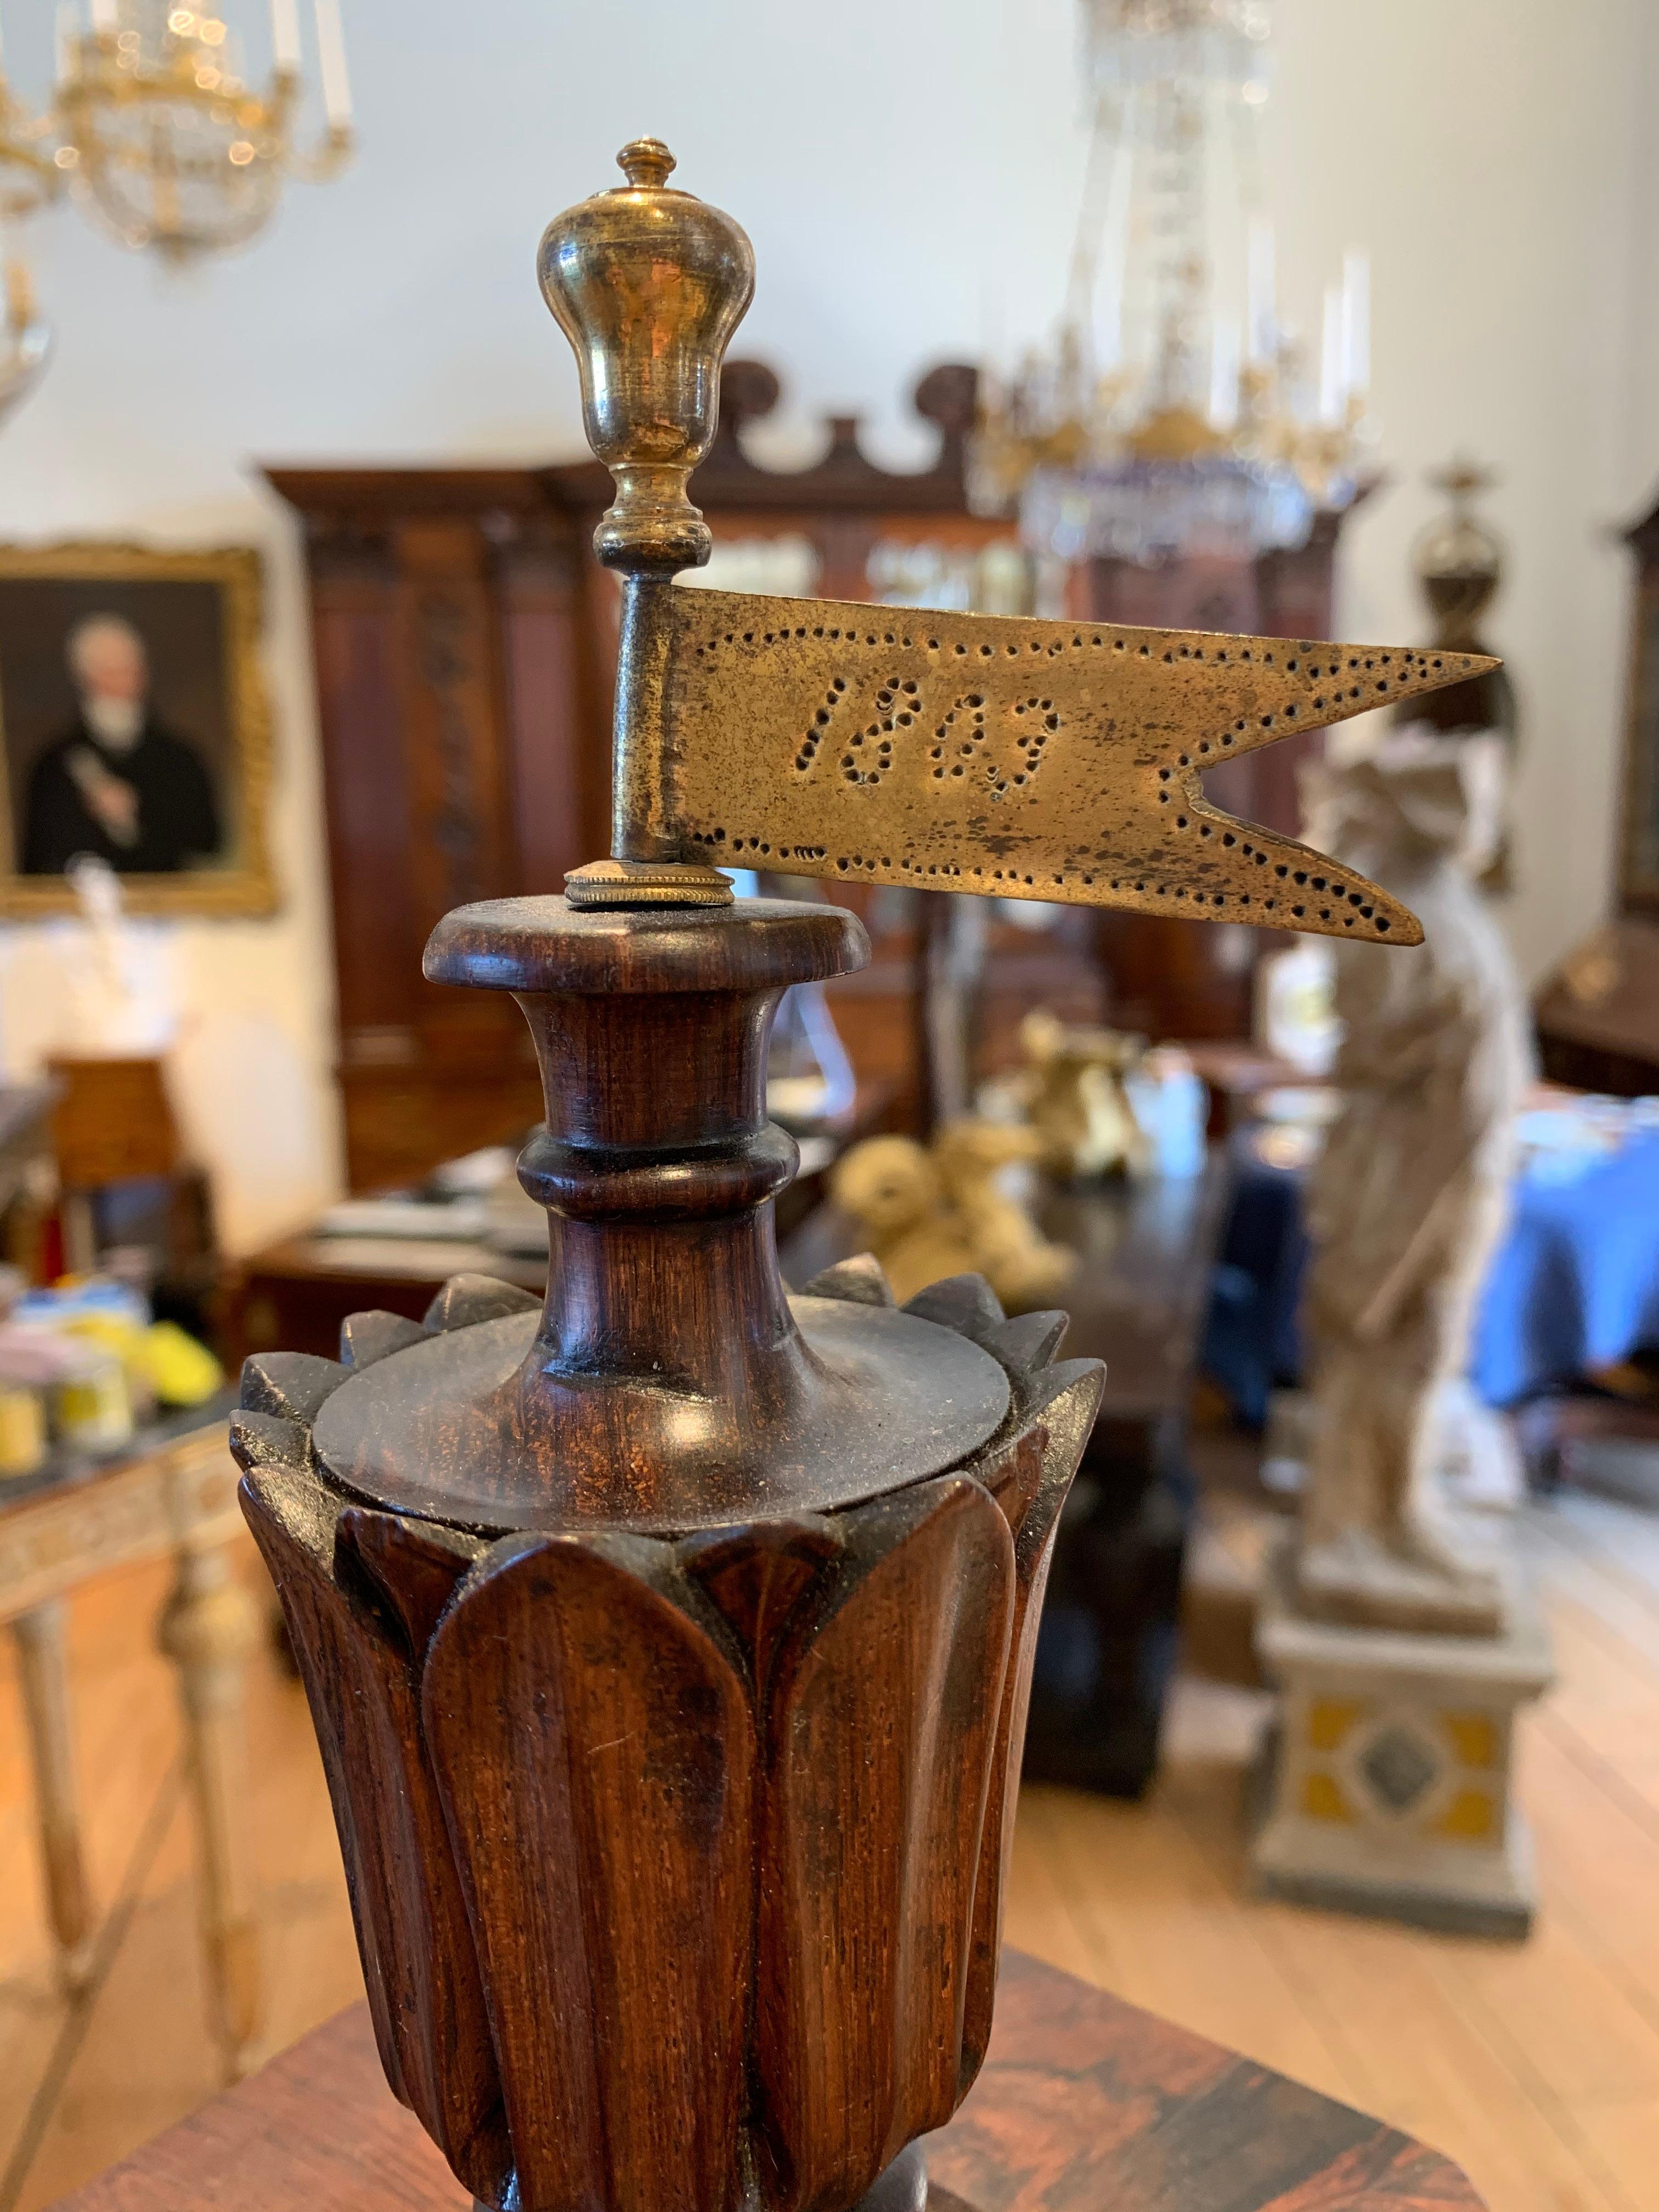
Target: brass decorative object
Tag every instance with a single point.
(1059, 761)
(1072, 1090)
(649, 284)
(29, 177)
(669, 1644)
(165, 142)
(1459, 562)
(927, 1212)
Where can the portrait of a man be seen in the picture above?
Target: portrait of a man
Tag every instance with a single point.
(117, 783)
(134, 727)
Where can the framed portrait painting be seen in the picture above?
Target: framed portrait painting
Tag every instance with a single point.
(134, 726)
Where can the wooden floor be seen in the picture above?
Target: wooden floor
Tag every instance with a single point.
(1536, 2066)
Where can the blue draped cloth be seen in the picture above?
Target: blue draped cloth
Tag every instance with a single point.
(1574, 1285)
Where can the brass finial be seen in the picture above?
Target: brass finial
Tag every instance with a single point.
(649, 284)
(647, 161)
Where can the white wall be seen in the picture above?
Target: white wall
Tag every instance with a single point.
(908, 171)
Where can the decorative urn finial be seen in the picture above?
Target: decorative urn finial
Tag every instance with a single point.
(648, 283)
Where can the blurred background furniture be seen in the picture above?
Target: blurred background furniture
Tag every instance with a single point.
(1138, 1301)
(1598, 1013)
(173, 1493)
(125, 1183)
(26, 1168)
(1572, 1291)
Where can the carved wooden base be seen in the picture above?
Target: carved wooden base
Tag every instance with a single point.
(43, 1672)
(678, 1859)
(902, 2188)
(669, 1647)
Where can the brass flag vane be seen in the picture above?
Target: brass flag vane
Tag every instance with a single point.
(1019, 758)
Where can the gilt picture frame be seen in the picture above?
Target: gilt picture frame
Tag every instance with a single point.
(171, 783)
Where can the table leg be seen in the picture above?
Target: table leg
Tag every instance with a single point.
(208, 1627)
(43, 1669)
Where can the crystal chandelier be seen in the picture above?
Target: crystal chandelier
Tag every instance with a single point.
(1165, 422)
(164, 139)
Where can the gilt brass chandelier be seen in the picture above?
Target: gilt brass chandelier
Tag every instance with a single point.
(1175, 414)
(167, 142)
(29, 177)
(29, 180)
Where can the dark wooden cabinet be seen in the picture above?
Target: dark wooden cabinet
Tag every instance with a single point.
(456, 619)
(1598, 1014)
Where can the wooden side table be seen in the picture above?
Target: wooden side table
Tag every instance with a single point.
(1085, 2104)
(1138, 1302)
(179, 1495)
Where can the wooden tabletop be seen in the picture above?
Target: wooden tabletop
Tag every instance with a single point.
(79, 1517)
(1086, 2104)
(1137, 1299)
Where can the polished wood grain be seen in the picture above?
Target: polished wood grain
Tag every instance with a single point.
(1084, 2103)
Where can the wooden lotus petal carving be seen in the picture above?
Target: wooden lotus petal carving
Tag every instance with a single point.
(412, 1934)
(862, 1278)
(878, 1749)
(594, 1746)
(759, 1578)
(268, 1440)
(1027, 1342)
(1057, 1409)
(416, 1566)
(367, 1337)
(465, 1299)
(291, 1384)
(676, 1864)
(966, 1303)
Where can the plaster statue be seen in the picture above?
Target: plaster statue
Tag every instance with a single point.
(1408, 1197)
(1075, 1100)
(930, 1213)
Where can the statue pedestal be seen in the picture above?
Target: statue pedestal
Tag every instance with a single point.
(1385, 1787)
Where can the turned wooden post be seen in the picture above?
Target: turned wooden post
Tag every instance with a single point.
(43, 1671)
(669, 1644)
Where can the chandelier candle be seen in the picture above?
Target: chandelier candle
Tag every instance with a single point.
(669, 1642)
